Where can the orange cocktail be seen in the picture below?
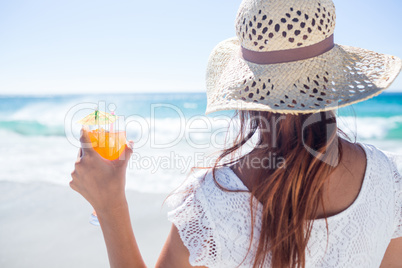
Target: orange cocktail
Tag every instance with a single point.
(110, 145)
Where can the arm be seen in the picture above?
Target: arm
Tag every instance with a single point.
(102, 183)
(119, 235)
(174, 253)
(393, 255)
(120, 241)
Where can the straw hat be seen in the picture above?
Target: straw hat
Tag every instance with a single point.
(284, 60)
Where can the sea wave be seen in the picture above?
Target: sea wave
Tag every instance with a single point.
(40, 134)
(201, 128)
(31, 128)
(177, 116)
(367, 128)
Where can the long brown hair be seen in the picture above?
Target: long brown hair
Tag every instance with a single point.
(290, 192)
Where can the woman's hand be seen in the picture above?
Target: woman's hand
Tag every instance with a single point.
(101, 182)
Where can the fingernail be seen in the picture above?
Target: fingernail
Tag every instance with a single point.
(131, 145)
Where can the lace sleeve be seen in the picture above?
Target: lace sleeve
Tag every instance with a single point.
(397, 159)
(193, 220)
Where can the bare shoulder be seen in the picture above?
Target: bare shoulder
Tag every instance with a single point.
(393, 255)
(344, 184)
(354, 156)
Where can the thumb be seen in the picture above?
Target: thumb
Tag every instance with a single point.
(128, 151)
(85, 140)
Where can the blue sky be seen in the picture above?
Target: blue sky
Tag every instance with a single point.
(82, 46)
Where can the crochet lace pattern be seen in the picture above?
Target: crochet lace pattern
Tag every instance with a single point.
(215, 225)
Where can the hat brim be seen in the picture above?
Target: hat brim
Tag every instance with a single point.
(340, 77)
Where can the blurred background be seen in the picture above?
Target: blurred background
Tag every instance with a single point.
(61, 59)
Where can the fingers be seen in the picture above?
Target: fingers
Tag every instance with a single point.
(129, 149)
(79, 155)
(72, 185)
(130, 144)
(85, 140)
(72, 182)
(126, 154)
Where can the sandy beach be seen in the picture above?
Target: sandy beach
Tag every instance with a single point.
(45, 225)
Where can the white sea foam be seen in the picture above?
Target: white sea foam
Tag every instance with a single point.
(369, 127)
(152, 169)
(165, 148)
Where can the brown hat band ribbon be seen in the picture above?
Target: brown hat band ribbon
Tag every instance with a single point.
(289, 55)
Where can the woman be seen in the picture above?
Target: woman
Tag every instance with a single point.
(303, 196)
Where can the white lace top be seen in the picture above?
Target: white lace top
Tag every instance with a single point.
(215, 225)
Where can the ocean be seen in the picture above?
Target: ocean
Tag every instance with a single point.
(39, 136)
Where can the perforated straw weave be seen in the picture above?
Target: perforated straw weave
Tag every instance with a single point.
(342, 76)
